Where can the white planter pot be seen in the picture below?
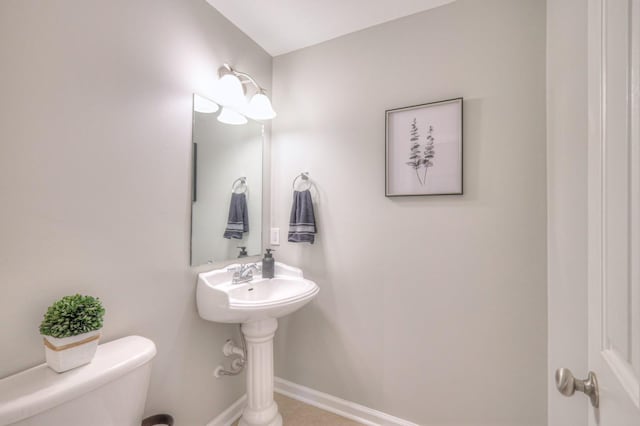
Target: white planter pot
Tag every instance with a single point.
(70, 352)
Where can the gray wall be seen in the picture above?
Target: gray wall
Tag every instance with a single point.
(432, 309)
(567, 201)
(95, 124)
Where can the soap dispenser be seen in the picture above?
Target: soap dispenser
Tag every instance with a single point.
(268, 265)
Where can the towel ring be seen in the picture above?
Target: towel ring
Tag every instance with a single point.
(305, 177)
(241, 181)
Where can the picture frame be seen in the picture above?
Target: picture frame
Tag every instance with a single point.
(423, 149)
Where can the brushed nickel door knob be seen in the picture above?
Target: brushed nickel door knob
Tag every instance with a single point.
(567, 384)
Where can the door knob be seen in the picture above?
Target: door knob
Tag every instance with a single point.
(567, 385)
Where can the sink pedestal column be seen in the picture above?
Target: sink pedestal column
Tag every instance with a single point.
(261, 409)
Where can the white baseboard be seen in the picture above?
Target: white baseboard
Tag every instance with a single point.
(350, 410)
(231, 414)
(341, 407)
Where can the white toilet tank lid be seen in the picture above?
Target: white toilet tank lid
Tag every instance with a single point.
(38, 389)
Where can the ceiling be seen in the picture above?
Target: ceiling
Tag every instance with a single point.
(281, 26)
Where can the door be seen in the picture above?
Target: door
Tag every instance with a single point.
(614, 209)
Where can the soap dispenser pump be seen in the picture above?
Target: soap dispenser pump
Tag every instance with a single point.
(268, 264)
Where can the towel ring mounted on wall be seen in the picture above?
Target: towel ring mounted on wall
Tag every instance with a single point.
(305, 178)
(240, 182)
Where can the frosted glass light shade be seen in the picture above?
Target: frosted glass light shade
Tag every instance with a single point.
(260, 107)
(229, 116)
(204, 105)
(228, 91)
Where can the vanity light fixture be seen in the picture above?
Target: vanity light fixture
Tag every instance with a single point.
(231, 91)
(260, 107)
(204, 105)
(229, 116)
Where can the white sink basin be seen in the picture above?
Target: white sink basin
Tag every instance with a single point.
(221, 301)
(257, 305)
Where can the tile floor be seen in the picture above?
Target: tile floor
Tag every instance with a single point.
(296, 413)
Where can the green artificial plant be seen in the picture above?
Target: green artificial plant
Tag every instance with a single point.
(72, 315)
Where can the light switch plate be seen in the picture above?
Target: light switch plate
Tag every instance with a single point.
(275, 237)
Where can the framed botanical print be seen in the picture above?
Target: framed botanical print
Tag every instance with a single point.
(424, 149)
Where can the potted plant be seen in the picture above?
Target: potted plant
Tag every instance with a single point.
(71, 330)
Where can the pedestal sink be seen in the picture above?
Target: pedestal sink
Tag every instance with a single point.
(257, 305)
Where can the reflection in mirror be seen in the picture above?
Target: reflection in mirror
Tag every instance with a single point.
(226, 212)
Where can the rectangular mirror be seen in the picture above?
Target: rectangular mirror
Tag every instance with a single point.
(226, 211)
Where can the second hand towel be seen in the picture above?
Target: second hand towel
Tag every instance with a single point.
(302, 224)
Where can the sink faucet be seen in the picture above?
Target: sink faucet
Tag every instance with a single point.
(244, 272)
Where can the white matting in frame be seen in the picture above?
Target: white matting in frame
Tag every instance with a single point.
(424, 149)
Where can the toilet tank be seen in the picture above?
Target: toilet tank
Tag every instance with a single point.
(110, 391)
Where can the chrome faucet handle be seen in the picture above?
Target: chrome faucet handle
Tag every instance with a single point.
(248, 269)
(243, 272)
(247, 266)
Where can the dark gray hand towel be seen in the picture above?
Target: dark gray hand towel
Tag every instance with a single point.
(238, 221)
(302, 225)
